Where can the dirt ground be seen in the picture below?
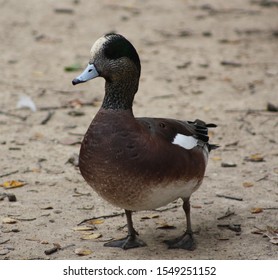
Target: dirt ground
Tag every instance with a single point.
(212, 60)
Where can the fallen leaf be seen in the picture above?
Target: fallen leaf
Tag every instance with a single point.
(256, 210)
(255, 158)
(91, 236)
(83, 228)
(13, 184)
(75, 103)
(8, 220)
(164, 225)
(149, 217)
(270, 232)
(83, 251)
(216, 158)
(248, 184)
(96, 222)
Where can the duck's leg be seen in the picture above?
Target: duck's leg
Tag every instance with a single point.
(131, 241)
(186, 240)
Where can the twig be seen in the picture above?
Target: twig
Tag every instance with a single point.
(77, 193)
(101, 217)
(47, 118)
(248, 111)
(48, 108)
(231, 63)
(166, 209)
(64, 10)
(67, 246)
(263, 178)
(13, 115)
(233, 227)
(9, 173)
(229, 197)
(66, 106)
(227, 214)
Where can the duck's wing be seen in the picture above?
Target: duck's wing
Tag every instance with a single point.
(187, 134)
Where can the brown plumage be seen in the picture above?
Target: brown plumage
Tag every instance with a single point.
(138, 163)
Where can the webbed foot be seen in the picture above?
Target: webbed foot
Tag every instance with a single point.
(126, 243)
(185, 241)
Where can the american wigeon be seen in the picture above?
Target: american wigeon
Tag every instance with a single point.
(138, 163)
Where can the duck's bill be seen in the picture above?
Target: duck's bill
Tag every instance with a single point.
(89, 73)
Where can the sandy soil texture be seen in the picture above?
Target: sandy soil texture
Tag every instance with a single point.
(212, 60)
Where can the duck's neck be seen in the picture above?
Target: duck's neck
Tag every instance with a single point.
(119, 96)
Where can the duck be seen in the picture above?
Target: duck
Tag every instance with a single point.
(138, 163)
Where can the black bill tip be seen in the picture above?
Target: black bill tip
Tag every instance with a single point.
(76, 81)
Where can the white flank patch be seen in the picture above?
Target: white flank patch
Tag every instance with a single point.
(97, 46)
(187, 142)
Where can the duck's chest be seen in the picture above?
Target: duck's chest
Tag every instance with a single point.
(109, 147)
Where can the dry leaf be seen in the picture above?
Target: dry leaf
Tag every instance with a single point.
(96, 222)
(256, 210)
(75, 103)
(13, 184)
(216, 158)
(248, 184)
(164, 225)
(83, 228)
(255, 158)
(150, 217)
(272, 234)
(91, 236)
(8, 220)
(83, 251)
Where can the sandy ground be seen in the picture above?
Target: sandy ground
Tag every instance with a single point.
(213, 60)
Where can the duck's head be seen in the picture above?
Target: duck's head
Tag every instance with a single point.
(114, 58)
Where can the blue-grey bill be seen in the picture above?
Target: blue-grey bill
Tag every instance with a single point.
(89, 73)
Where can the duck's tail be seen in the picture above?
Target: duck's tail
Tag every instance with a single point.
(202, 132)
